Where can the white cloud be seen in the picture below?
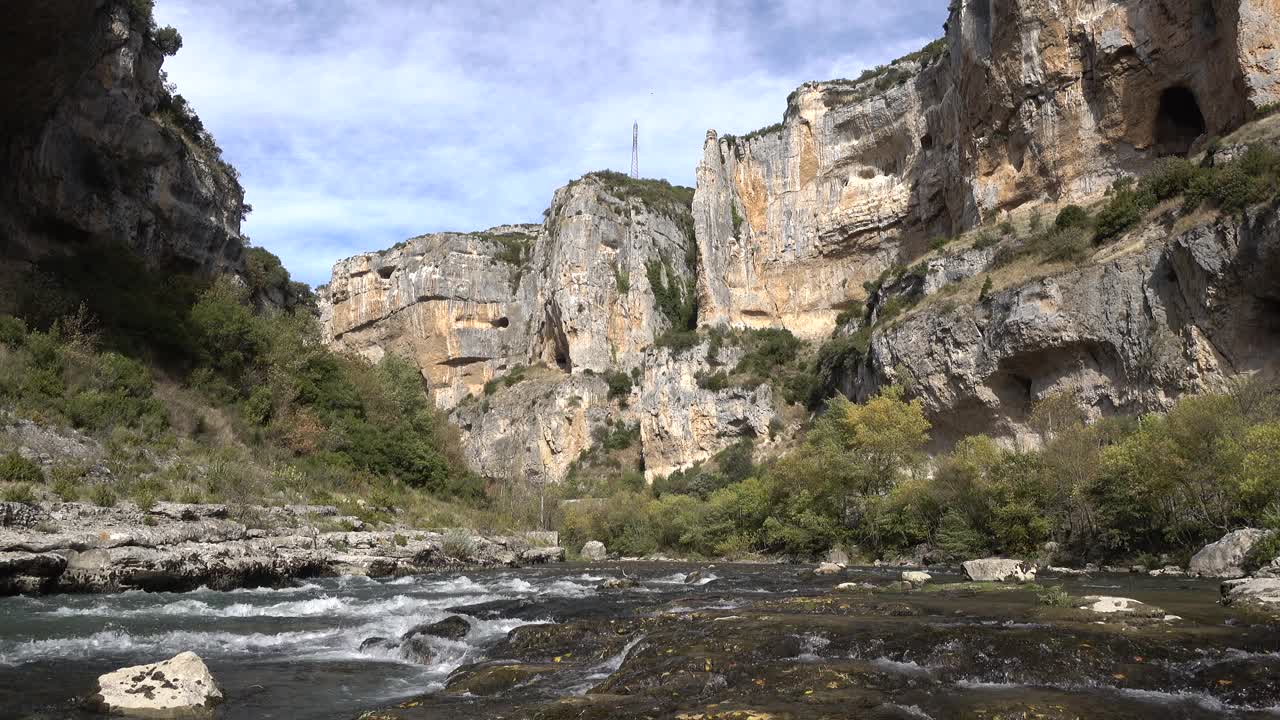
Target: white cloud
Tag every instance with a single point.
(356, 124)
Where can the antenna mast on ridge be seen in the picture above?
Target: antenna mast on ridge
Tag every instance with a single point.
(635, 150)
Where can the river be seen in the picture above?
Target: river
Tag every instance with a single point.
(295, 652)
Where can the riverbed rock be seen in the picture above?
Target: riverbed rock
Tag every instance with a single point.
(617, 584)
(376, 643)
(1223, 558)
(171, 688)
(828, 568)
(852, 586)
(838, 557)
(1168, 571)
(1259, 592)
(453, 627)
(1107, 604)
(999, 570)
(594, 551)
(694, 577)
(916, 577)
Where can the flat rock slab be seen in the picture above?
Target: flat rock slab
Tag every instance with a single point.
(172, 688)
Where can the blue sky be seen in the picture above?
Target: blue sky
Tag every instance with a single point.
(358, 123)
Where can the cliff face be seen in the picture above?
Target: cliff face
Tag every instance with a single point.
(1024, 106)
(1029, 101)
(591, 276)
(1127, 334)
(449, 301)
(95, 160)
(584, 294)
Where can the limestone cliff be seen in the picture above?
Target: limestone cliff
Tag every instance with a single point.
(606, 244)
(449, 301)
(1029, 101)
(1171, 314)
(1024, 106)
(90, 148)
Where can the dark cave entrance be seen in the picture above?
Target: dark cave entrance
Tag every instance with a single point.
(1179, 122)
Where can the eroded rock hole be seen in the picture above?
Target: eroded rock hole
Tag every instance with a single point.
(926, 141)
(1179, 121)
(385, 272)
(500, 322)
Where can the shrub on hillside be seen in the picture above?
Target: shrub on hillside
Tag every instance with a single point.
(16, 469)
(1071, 216)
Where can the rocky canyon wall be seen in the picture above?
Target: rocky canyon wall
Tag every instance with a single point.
(88, 154)
(1026, 101)
(1023, 106)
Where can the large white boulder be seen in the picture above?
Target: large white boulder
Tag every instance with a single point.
(1263, 592)
(999, 570)
(594, 551)
(1223, 559)
(167, 689)
(916, 577)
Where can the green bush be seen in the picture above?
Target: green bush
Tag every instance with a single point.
(736, 217)
(13, 331)
(767, 350)
(1262, 552)
(102, 495)
(1072, 216)
(168, 39)
(1054, 596)
(674, 298)
(619, 384)
(715, 382)
(986, 239)
(19, 493)
(853, 310)
(16, 469)
(1123, 211)
(678, 341)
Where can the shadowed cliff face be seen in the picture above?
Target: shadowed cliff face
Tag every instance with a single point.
(86, 157)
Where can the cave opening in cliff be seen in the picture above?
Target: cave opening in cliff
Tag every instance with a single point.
(1179, 122)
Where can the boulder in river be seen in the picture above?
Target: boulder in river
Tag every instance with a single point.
(1223, 559)
(694, 577)
(1262, 592)
(828, 568)
(1107, 604)
(999, 570)
(617, 584)
(376, 643)
(594, 551)
(417, 649)
(450, 628)
(169, 689)
(916, 577)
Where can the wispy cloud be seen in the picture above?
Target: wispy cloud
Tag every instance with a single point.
(358, 123)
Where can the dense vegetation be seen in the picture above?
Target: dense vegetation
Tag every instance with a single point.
(1117, 489)
(243, 394)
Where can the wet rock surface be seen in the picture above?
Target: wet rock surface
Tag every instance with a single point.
(880, 648)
